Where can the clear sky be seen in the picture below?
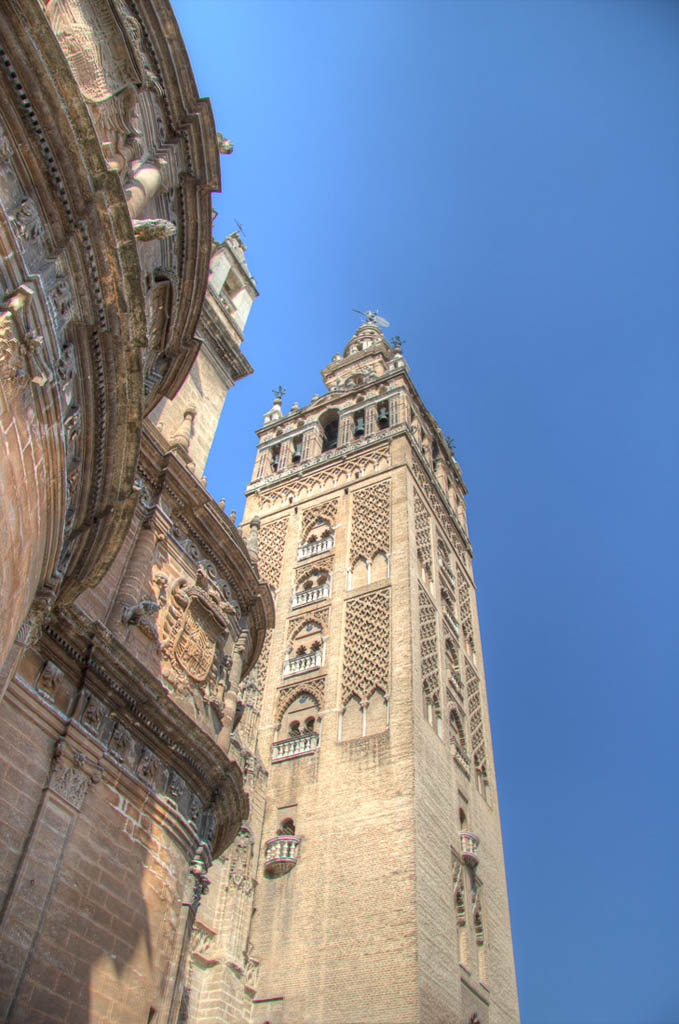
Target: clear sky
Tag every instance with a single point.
(500, 180)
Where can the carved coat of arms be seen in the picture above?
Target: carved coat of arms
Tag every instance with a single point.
(198, 631)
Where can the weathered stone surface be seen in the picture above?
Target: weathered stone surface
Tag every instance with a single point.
(367, 723)
(131, 607)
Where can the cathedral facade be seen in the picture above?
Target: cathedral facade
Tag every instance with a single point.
(131, 607)
(368, 883)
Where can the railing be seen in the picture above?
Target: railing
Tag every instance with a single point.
(294, 746)
(455, 680)
(451, 621)
(280, 855)
(461, 759)
(316, 547)
(310, 596)
(449, 575)
(303, 664)
(470, 844)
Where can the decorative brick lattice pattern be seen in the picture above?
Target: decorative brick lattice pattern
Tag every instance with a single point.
(270, 551)
(327, 512)
(332, 474)
(423, 534)
(464, 596)
(429, 649)
(476, 720)
(367, 642)
(447, 520)
(370, 522)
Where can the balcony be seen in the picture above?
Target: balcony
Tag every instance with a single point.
(294, 746)
(280, 855)
(317, 547)
(461, 759)
(469, 844)
(304, 663)
(451, 621)
(310, 596)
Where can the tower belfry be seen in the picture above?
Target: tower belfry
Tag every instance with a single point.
(374, 849)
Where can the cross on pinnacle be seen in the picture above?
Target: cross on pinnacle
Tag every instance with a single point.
(398, 342)
(279, 392)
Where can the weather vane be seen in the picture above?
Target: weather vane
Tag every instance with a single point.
(371, 317)
(239, 226)
(279, 392)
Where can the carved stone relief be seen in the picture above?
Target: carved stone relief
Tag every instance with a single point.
(197, 626)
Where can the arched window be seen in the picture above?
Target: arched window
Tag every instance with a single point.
(301, 717)
(287, 827)
(297, 448)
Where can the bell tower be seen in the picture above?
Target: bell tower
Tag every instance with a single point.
(379, 891)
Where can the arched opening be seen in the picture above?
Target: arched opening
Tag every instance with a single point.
(359, 573)
(300, 718)
(359, 423)
(329, 423)
(287, 827)
(379, 569)
(383, 415)
(376, 713)
(351, 722)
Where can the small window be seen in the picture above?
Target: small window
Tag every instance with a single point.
(435, 456)
(287, 827)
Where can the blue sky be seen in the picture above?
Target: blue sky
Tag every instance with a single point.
(500, 181)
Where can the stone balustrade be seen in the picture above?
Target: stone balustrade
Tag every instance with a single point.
(294, 746)
(304, 663)
(451, 621)
(470, 845)
(316, 547)
(310, 596)
(280, 855)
